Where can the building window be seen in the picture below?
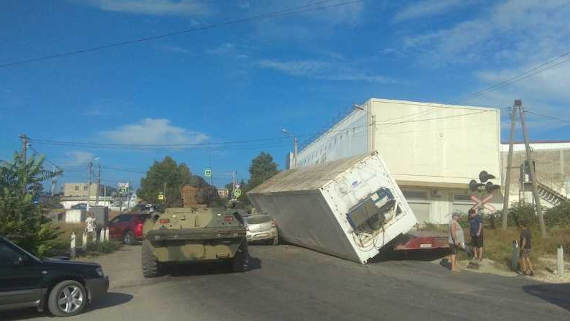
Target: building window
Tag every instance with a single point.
(76, 188)
(461, 198)
(85, 187)
(415, 195)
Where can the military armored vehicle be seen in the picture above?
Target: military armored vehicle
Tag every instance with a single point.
(195, 233)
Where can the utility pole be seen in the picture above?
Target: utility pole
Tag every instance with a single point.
(98, 183)
(25, 140)
(164, 192)
(53, 182)
(90, 169)
(532, 171)
(509, 166)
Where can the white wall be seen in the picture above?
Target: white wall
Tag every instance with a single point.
(436, 145)
(347, 138)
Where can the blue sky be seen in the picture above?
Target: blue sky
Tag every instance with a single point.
(243, 82)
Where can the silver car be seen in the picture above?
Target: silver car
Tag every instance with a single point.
(261, 228)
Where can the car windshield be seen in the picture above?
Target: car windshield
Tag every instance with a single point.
(259, 219)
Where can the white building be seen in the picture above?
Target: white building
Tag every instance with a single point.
(432, 150)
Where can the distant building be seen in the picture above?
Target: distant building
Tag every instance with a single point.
(77, 193)
(552, 164)
(223, 192)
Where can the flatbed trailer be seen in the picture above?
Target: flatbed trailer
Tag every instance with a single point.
(421, 240)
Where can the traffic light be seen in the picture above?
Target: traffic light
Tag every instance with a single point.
(473, 185)
(484, 176)
(490, 187)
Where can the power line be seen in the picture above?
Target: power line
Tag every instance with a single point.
(45, 158)
(548, 116)
(551, 63)
(313, 6)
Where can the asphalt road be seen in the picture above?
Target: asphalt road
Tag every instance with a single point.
(291, 283)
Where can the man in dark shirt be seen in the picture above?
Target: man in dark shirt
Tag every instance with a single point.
(525, 248)
(476, 231)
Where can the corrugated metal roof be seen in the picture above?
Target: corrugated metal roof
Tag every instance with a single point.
(307, 178)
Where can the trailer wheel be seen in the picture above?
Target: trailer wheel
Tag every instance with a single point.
(240, 262)
(150, 265)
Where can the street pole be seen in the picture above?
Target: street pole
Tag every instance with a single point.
(295, 151)
(509, 166)
(24, 139)
(532, 172)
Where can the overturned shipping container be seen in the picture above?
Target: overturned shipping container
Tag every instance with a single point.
(348, 208)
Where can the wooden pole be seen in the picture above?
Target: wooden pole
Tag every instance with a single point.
(530, 162)
(509, 167)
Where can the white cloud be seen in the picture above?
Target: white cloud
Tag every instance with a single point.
(513, 31)
(151, 7)
(323, 70)
(223, 49)
(153, 131)
(313, 21)
(427, 8)
(77, 159)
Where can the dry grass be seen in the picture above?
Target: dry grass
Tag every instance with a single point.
(498, 243)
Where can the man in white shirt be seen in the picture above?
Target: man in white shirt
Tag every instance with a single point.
(91, 227)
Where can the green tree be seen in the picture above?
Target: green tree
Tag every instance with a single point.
(169, 176)
(262, 168)
(165, 176)
(20, 213)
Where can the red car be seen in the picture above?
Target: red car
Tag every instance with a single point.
(127, 227)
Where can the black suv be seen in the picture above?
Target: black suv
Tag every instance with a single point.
(63, 287)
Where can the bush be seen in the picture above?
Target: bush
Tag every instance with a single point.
(522, 214)
(558, 215)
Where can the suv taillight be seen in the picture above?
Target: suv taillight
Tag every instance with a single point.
(139, 229)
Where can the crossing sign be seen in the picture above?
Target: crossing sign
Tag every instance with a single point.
(237, 193)
(483, 203)
(208, 172)
(160, 196)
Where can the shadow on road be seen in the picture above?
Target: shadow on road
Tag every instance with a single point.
(558, 294)
(412, 255)
(110, 300)
(201, 268)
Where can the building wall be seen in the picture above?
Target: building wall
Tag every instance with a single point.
(436, 145)
(432, 150)
(347, 138)
(80, 189)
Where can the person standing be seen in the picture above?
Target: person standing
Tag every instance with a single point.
(91, 227)
(476, 232)
(526, 246)
(455, 240)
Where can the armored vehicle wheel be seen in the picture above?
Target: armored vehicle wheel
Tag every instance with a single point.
(150, 265)
(240, 261)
